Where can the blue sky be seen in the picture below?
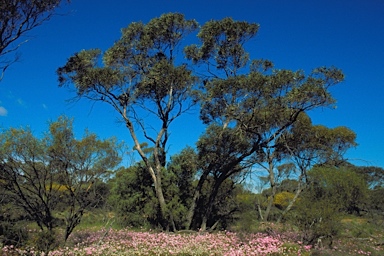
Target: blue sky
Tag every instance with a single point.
(293, 34)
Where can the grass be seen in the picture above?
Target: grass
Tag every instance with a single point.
(97, 219)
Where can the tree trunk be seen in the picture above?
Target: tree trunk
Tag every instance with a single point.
(191, 210)
(195, 199)
(259, 210)
(270, 202)
(166, 214)
(211, 200)
(290, 205)
(273, 190)
(71, 223)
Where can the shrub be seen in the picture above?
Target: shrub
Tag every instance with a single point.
(13, 233)
(46, 241)
(282, 199)
(330, 192)
(318, 222)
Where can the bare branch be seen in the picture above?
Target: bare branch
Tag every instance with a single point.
(17, 18)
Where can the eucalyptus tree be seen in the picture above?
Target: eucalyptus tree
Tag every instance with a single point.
(17, 18)
(52, 179)
(220, 152)
(307, 145)
(139, 77)
(249, 98)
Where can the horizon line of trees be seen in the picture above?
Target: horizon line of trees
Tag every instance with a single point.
(55, 179)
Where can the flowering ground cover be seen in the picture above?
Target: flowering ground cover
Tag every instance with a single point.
(126, 242)
(271, 241)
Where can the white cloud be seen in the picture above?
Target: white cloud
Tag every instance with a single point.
(3, 111)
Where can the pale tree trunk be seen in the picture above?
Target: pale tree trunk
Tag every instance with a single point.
(165, 212)
(291, 203)
(273, 189)
(259, 209)
(156, 178)
(191, 210)
(294, 199)
(270, 203)
(260, 213)
(203, 225)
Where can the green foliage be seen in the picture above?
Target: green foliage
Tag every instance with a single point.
(341, 187)
(330, 192)
(178, 190)
(13, 232)
(249, 103)
(223, 41)
(245, 219)
(184, 166)
(374, 176)
(375, 203)
(138, 68)
(288, 185)
(133, 197)
(12, 227)
(318, 220)
(309, 144)
(251, 107)
(46, 241)
(54, 179)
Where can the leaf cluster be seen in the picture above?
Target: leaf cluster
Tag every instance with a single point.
(223, 41)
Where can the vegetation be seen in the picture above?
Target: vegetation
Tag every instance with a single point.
(53, 180)
(256, 117)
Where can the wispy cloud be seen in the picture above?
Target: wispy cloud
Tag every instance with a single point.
(21, 102)
(45, 106)
(3, 111)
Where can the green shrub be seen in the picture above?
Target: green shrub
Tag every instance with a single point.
(319, 221)
(46, 241)
(13, 233)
